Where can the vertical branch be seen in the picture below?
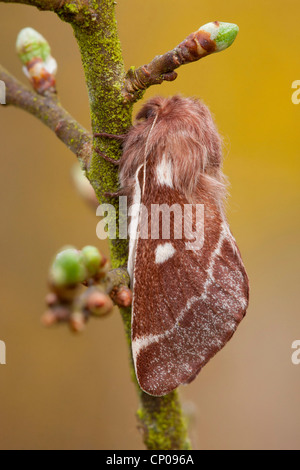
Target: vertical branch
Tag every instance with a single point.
(162, 422)
(102, 60)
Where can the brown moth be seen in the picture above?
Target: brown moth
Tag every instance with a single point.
(187, 300)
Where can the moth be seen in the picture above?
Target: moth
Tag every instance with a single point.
(188, 299)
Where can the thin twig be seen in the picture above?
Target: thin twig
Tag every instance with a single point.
(51, 5)
(48, 110)
(210, 38)
(75, 11)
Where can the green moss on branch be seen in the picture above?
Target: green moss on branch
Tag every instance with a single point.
(162, 423)
(104, 71)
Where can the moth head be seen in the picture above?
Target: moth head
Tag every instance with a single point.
(183, 130)
(180, 130)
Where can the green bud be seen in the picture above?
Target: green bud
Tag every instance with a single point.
(226, 36)
(91, 259)
(32, 45)
(223, 34)
(67, 268)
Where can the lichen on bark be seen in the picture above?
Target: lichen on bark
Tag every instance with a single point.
(162, 423)
(104, 71)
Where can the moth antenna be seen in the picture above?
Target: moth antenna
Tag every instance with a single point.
(146, 151)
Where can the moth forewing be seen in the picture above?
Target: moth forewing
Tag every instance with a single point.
(189, 292)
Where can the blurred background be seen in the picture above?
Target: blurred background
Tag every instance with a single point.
(60, 391)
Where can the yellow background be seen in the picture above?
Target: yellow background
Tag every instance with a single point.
(58, 391)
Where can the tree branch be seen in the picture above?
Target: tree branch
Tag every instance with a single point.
(48, 110)
(102, 61)
(210, 38)
(162, 423)
(53, 5)
(75, 11)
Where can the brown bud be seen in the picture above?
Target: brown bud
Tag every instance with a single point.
(122, 296)
(77, 322)
(48, 318)
(51, 299)
(99, 303)
(65, 293)
(57, 314)
(39, 76)
(104, 268)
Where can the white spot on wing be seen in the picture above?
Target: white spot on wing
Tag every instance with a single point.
(164, 252)
(164, 172)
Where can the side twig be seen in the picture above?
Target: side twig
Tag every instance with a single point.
(75, 11)
(48, 110)
(210, 38)
(52, 5)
